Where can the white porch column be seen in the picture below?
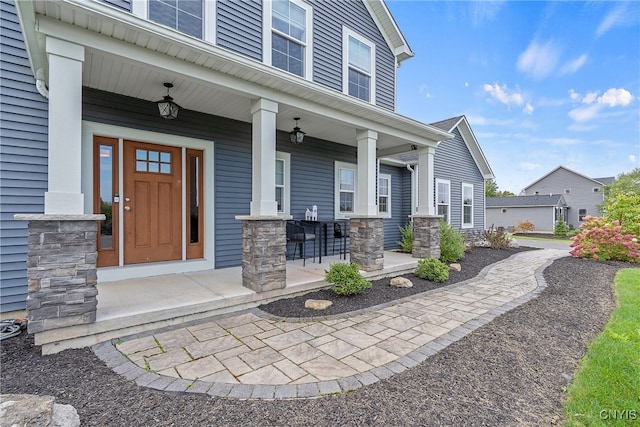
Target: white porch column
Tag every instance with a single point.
(65, 128)
(263, 148)
(426, 183)
(366, 194)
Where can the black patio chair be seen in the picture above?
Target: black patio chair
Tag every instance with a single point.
(340, 233)
(298, 234)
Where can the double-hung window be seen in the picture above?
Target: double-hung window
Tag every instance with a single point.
(345, 189)
(193, 17)
(358, 66)
(283, 182)
(467, 205)
(288, 36)
(443, 199)
(384, 195)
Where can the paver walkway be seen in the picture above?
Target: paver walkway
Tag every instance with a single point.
(256, 355)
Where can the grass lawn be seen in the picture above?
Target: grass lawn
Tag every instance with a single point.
(606, 388)
(550, 238)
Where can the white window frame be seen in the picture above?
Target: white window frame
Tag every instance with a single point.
(388, 195)
(267, 30)
(286, 159)
(346, 33)
(448, 205)
(586, 213)
(338, 166)
(466, 224)
(140, 8)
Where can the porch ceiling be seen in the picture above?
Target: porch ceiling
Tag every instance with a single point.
(127, 55)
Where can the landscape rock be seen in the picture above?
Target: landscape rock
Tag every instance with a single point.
(318, 304)
(401, 282)
(455, 267)
(36, 411)
(513, 243)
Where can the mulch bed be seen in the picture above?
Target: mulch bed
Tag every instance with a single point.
(380, 292)
(509, 372)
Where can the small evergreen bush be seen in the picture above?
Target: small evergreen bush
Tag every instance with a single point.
(432, 269)
(406, 242)
(497, 238)
(561, 229)
(451, 243)
(346, 279)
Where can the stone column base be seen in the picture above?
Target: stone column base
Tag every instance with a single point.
(61, 270)
(264, 245)
(367, 242)
(426, 236)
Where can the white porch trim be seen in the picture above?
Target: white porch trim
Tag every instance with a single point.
(366, 203)
(426, 184)
(263, 158)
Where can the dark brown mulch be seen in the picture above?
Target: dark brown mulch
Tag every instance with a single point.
(509, 372)
(380, 292)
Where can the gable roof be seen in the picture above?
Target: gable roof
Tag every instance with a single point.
(469, 139)
(606, 180)
(525, 201)
(596, 180)
(389, 29)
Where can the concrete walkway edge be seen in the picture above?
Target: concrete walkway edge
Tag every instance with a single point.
(122, 365)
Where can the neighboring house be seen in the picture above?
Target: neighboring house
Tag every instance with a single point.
(543, 211)
(82, 134)
(582, 194)
(460, 171)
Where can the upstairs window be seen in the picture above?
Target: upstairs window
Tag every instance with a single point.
(183, 15)
(287, 45)
(358, 66)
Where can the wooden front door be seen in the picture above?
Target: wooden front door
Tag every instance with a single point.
(152, 203)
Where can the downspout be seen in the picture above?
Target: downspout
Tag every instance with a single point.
(413, 191)
(41, 85)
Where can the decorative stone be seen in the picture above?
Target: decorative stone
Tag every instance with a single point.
(401, 282)
(31, 410)
(513, 243)
(455, 267)
(264, 245)
(318, 304)
(426, 236)
(367, 242)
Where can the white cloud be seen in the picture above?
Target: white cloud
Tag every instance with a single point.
(539, 59)
(484, 11)
(529, 166)
(466, 84)
(618, 17)
(615, 97)
(503, 94)
(528, 109)
(574, 95)
(580, 127)
(573, 66)
(632, 158)
(584, 114)
(590, 98)
(424, 89)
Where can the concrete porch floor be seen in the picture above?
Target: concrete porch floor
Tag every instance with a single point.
(137, 305)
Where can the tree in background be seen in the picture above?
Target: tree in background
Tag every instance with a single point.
(622, 201)
(491, 189)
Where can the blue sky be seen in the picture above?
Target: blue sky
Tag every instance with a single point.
(542, 83)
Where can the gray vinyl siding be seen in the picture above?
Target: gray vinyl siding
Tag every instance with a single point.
(454, 162)
(120, 4)
(540, 216)
(239, 27)
(580, 197)
(23, 157)
(329, 17)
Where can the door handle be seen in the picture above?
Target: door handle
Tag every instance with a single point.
(127, 208)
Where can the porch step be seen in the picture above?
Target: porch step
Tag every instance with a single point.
(137, 306)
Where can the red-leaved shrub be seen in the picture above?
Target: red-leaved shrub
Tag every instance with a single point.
(604, 240)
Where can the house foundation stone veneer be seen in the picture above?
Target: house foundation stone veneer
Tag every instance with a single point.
(426, 236)
(367, 242)
(61, 270)
(264, 245)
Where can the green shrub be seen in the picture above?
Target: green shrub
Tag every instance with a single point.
(451, 243)
(346, 279)
(406, 242)
(561, 229)
(432, 269)
(497, 238)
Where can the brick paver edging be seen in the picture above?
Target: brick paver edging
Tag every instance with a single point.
(120, 364)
